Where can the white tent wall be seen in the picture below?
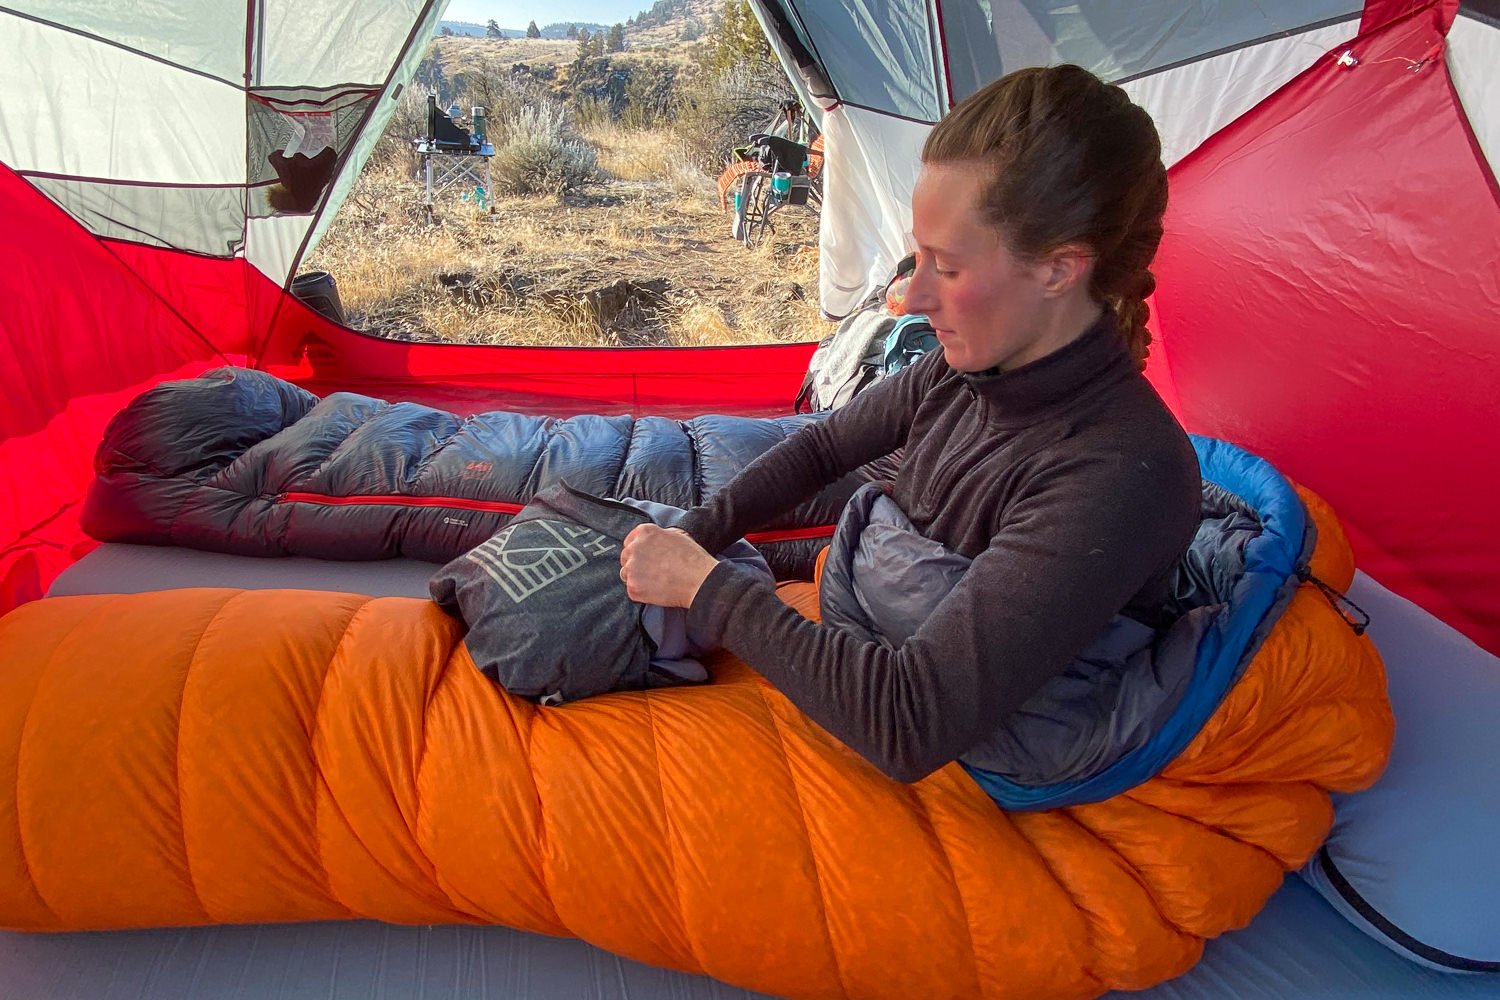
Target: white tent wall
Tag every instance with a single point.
(860, 44)
(65, 95)
(203, 35)
(866, 202)
(272, 245)
(334, 43)
(1191, 102)
(873, 152)
(874, 158)
(1473, 55)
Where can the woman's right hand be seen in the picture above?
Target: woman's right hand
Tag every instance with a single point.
(663, 566)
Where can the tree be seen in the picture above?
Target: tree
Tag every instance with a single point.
(492, 30)
(447, 31)
(585, 49)
(616, 40)
(596, 46)
(736, 38)
(532, 31)
(572, 31)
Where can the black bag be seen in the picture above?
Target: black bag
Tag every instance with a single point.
(548, 615)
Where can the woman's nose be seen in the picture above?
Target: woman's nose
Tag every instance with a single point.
(920, 297)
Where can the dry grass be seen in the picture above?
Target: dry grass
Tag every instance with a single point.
(642, 258)
(649, 155)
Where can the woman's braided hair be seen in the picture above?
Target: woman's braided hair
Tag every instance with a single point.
(1072, 160)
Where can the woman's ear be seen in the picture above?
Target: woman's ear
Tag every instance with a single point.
(1065, 268)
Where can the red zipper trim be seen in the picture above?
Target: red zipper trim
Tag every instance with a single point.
(790, 534)
(496, 506)
(502, 507)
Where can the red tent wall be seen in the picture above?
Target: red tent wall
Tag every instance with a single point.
(79, 336)
(760, 380)
(1328, 296)
(248, 317)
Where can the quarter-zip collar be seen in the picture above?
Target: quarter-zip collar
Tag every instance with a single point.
(1097, 357)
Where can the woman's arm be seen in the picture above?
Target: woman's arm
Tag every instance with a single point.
(1072, 554)
(875, 423)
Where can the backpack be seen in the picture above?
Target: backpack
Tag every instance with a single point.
(870, 344)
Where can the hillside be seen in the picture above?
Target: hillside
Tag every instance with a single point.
(472, 30)
(666, 25)
(671, 22)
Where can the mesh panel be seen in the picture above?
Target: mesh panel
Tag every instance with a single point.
(296, 143)
(202, 220)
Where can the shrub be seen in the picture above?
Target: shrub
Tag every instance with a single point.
(722, 110)
(542, 155)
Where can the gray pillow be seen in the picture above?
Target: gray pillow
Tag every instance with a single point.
(1413, 861)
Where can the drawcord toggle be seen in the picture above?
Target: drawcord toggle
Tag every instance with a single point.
(1353, 615)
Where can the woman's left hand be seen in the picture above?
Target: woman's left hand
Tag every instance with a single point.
(663, 566)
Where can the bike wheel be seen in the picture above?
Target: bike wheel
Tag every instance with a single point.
(759, 206)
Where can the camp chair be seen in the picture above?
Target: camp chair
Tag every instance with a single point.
(774, 173)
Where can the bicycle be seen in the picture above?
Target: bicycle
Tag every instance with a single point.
(777, 172)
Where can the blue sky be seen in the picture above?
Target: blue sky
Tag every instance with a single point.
(515, 13)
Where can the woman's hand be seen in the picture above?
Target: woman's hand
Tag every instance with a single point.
(663, 566)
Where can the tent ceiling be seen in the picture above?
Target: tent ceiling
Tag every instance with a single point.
(207, 36)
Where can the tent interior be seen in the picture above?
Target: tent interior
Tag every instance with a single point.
(1328, 297)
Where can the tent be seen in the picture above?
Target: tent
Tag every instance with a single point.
(1328, 290)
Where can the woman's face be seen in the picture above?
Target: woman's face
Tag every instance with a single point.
(988, 306)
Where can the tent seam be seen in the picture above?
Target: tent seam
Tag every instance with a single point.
(807, 836)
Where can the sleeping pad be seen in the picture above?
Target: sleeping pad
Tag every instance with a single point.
(240, 461)
(215, 756)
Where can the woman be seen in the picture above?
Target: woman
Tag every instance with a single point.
(1033, 444)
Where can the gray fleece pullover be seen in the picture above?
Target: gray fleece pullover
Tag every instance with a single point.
(1067, 481)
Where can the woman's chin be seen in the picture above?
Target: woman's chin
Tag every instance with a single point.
(960, 360)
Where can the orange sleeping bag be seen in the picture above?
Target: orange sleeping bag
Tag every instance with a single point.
(214, 756)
